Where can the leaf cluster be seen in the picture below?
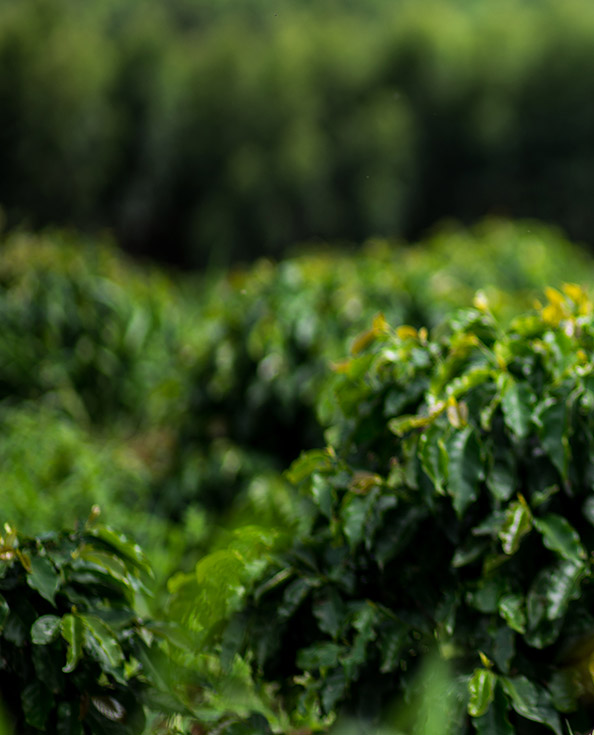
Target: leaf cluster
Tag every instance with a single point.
(75, 655)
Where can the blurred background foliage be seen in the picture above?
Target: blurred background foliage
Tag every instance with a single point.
(203, 132)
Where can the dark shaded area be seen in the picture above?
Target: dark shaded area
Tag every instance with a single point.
(205, 135)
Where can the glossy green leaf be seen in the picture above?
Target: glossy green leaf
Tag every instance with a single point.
(511, 609)
(501, 478)
(72, 630)
(354, 515)
(481, 690)
(109, 563)
(44, 578)
(559, 536)
(101, 641)
(532, 702)
(495, 720)
(465, 468)
(552, 591)
(316, 460)
(552, 422)
(45, 629)
(517, 523)
(122, 546)
(434, 459)
(517, 400)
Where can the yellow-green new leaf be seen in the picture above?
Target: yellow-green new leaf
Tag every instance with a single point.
(72, 630)
(518, 522)
(481, 689)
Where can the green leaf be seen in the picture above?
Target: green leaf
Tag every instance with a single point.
(316, 460)
(565, 690)
(552, 419)
(44, 578)
(434, 459)
(329, 613)
(481, 689)
(559, 536)
(48, 667)
(517, 523)
(501, 479)
(319, 655)
(495, 721)
(102, 642)
(122, 546)
(108, 563)
(465, 468)
(37, 702)
(532, 702)
(72, 630)
(45, 629)
(517, 400)
(552, 591)
(511, 609)
(354, 515)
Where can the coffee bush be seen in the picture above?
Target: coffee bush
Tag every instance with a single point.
(451, 510)
(75, 654)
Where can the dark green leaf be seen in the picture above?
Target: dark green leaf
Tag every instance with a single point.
(559, 536)
(434, 459)
(517, 400)
(69, 722)
(320, 655)
(37, 703)
(532, 702)
(48, 667)
(552, 424)
(511, 609)
(552, 591)
(354, 514)
(122, 546)
(501, 479)
(329, 613)
(100, 639)
(44, 578)
(4, 612)
(465, 468)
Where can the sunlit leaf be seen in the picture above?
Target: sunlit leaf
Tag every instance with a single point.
(481, 688)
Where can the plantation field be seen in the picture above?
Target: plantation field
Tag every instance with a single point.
(342, 492)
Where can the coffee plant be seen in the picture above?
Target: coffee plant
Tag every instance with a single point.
(76, 657)
(452, 510)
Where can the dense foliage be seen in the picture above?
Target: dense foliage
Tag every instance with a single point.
(451, 509)
(75, 657)
(260, 347)
(146, 118)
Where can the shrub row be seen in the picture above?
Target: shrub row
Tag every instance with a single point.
(175, 404)
(452, 510)
(148, 119)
